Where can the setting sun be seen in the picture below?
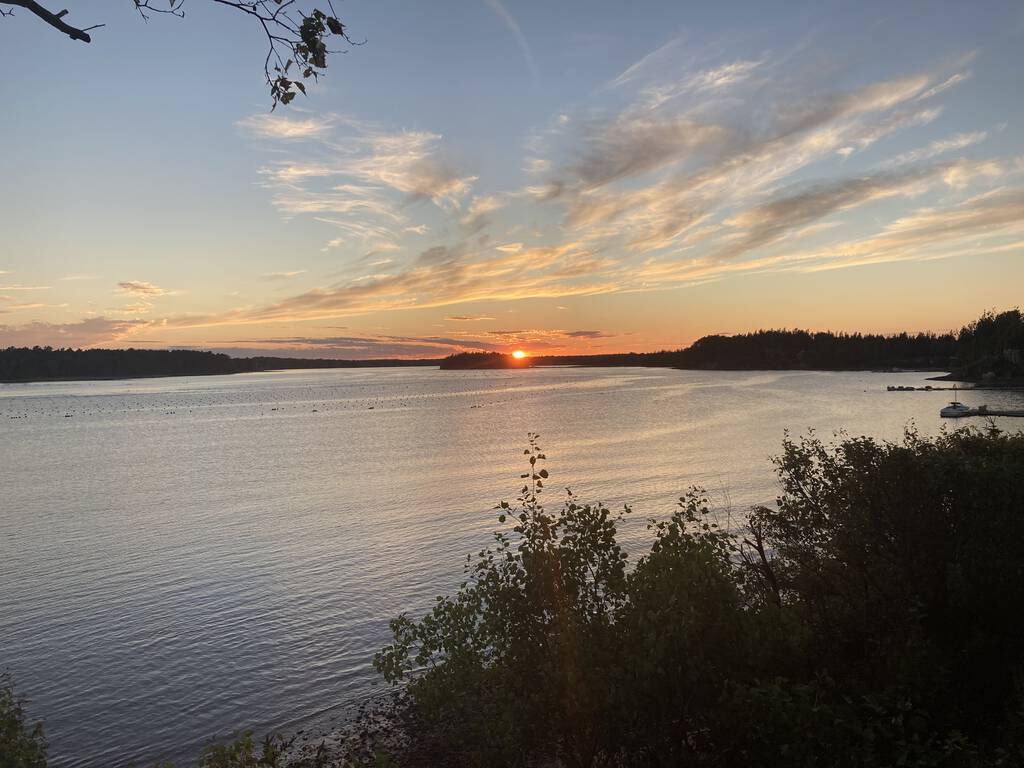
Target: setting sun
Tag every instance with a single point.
(519, 354)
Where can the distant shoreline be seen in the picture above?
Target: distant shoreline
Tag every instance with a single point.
(418, 364)
(44, 364)
(129, 377)
(987, 352)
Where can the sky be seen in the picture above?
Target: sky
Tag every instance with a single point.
(577, 176)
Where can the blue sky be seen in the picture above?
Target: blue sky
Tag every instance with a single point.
(573, 176)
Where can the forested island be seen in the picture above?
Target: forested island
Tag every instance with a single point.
(760, 350)
(988, 349)
(48, 364)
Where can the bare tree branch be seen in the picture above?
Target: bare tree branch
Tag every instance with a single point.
(55, 20)
(295, 38)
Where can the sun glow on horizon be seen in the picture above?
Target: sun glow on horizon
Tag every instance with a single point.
(519, 354)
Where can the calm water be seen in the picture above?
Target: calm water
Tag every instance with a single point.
(183, 557)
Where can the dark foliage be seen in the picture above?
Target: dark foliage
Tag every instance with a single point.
(761, 350)
(297, 36)
(771, 350)
(990, 348)
(993, 346)
(869, 618)
(22, 745)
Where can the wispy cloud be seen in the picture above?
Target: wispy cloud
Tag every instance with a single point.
(513, 26)
(674, 175)
(275, 126)
(706, 81)
(538, 340)
(678, 186)
(650, 60)
(394, 346)
(945, 85)
(352, 347)
(140, 288)
(131, 310)
(697, 182)
(772, 221)
(30, 305)
(364, 181)
(980, 224)
(477, 215)
(939, 147)
(91, 332)
(548, 340)
(437, 277)
(282, 275)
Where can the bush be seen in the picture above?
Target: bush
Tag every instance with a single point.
(870, 618)
(21, 745)
(905, 562)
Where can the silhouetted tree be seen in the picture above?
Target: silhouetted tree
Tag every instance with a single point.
(987, 348)
(760, 350)
(992, 345)
(297, 34)
(869, 618)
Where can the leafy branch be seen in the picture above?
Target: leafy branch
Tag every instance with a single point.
(297, 38)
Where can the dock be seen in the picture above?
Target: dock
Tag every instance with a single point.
(928, 388)
(984, 410)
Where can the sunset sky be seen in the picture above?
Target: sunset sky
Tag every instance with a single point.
(487, 174)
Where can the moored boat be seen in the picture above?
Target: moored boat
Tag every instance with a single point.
(955, 409)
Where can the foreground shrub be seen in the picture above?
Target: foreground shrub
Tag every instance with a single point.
(21, 745)
(537, 606)
(905, 563)
(870, 618)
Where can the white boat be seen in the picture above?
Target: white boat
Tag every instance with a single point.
(955, 409)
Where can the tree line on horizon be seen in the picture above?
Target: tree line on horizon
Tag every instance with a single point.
(989, 347)
(41, 363)
(981, 349)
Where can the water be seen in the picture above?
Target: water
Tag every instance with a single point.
(180, 558)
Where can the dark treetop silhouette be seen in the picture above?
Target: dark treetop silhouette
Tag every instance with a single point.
(988, 349)
(297, 34)
(866, 619)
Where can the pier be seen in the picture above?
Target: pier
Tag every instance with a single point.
(984, 410)
(928, 388)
